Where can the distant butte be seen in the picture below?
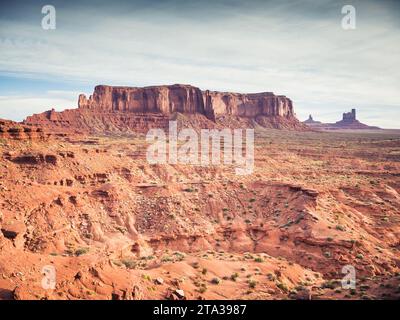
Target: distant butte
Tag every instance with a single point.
(349, 121)
(135, 109)
(311, 121)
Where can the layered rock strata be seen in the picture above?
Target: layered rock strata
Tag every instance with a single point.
(125, 109)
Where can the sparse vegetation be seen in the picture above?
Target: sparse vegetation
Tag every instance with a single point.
(146, 277)
(282, 286)
(179, 256)
(271, 277)
(81, 251)
(234, 276)
(202, 288)
(129, 263)
(252, 283)
(331, 284)
(340, 227)
(166, 258)
(327, 254)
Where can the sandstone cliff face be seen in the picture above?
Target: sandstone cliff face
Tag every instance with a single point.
(248, 105)
(185, 99)
(131, 109)
(157, 99)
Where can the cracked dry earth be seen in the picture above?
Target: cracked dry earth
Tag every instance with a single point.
(115, 227)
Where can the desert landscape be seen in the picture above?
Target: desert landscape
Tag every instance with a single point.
(199, 158)
(77, 196)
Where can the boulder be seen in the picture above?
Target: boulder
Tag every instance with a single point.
(15, 232)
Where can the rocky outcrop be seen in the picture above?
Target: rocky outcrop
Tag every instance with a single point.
(125, 109)
(247, 105)
(11, 130)
(155, 99)
(33, 159)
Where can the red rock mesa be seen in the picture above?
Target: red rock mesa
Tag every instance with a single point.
(131, 109)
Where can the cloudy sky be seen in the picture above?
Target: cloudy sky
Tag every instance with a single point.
(295, 48)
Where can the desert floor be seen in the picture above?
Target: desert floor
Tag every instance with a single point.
(112, 226)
